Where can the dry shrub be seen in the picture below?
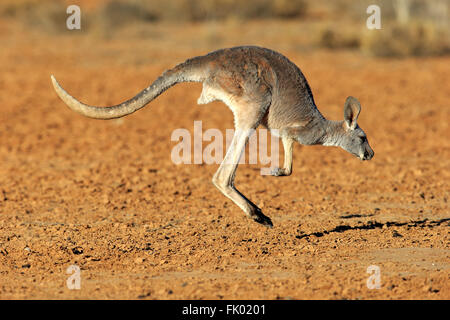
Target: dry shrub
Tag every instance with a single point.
(288, 8)
(112, 15)
(413, 39)
(338, 39)
(45, 15)
(116, 14)
(202, 10)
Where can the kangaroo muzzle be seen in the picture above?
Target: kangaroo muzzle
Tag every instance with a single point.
(368, 154)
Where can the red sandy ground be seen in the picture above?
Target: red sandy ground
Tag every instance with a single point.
(104, 195)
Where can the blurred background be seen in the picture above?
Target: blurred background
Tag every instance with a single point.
(409, 27)
(106, 196)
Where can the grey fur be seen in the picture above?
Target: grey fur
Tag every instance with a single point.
(260, 86)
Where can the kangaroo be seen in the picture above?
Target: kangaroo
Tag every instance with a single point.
(260, 86)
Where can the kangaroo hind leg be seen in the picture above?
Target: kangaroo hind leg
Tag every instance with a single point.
(247, 119)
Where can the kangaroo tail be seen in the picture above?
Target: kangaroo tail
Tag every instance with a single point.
(183, 72)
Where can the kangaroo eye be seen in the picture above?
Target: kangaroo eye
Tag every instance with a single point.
(363, 139)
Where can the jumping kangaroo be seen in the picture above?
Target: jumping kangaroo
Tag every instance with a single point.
(260, 86)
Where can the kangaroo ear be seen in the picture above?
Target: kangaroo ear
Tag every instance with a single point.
(352, 108)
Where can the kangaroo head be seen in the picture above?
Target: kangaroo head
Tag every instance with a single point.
(352, 138)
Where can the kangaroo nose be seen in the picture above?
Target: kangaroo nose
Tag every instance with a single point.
(368, 155)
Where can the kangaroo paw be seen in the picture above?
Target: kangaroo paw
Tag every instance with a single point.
(259, 217)
(279, 172)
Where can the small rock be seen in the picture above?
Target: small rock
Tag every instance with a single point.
(144, 295)
(426, 288)
(77, 250)
(396, 234)
(139, 260)
(105, 199)
(392, 286)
